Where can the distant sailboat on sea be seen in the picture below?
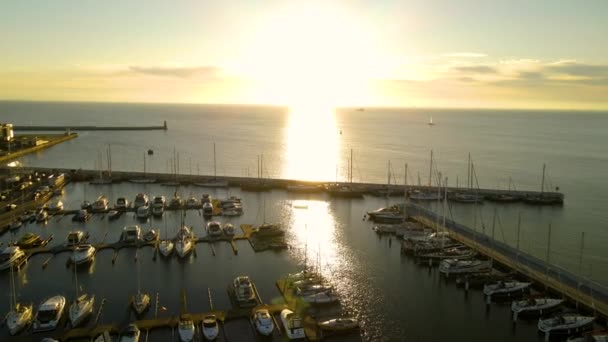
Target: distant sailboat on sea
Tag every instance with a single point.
(431, 122)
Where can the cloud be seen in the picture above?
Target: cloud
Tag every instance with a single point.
(179, 72)
(572, 68)
(476, 69)
(465, 55)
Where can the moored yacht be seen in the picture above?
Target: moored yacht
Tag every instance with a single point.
(81, 216)
(183, 243)
(121, 203)
(11, 257)
(326, 297)
(186, 329)
(262, 321)
(294, 328)
(535, 306)
(56, 206)
(82, 254)
(418, 195)
(100, 204)
(211, 329)
(207, 209)
(143, 212)
(243, 289)
(131, 234)
(176, 202)
(166, 247)
(339, 324)
(455, 266)
(76, 237)
(267, 230)
(49, 313)
(192, 202)
(158, 205)
(41, 215)
(80, 309)
(30, 240)
(506, 288)
(141, 302)
(214, 229)
(131, 334)
(18, 318)
(141, 199)
(229, 229)
(565, 324)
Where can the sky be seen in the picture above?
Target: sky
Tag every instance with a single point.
(538, 54)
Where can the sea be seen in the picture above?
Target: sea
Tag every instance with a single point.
(394, 298)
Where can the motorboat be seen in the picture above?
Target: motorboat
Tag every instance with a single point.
(211, 329)
(131, 334)
(592, 336)
(535, 306)
(56, 206)
(131, 234)
(29, 240)
(268, 230)
(392, 210)
(114, 214)
(192, 202)
(309, 289)
(243, 289)
(229, 229)
(505, 198)
(143, 212)
(231, 200)
(506, 288)
(321, 298)
(345, 191)
(565, 324)
(81, 216)
(76, 237)
(41, 215)
(150, 235)
(100, 204)
(186, 329)
(49, 313)
(207, 209)
(294, 327)
(184, 233)
(85, 205)
(158, 205)
(206, 198)
(141, 302)
(262, 321)
(18, 318)
(82, 254)
(235, 209)
(141, 199)
(183, 243)
(121, 203)
(304, 188)
(166, 247)
(11, 257)
(176, 202)
(456, 266)
(467, 198)
(28, 216)
(80, 309)
(103, 337)
(339, 324)
(214, 229)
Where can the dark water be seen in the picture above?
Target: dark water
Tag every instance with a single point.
(394, 298)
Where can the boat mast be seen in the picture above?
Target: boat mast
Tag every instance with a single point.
(109, 160)
(548, 253)
(445, 204)
(542, 184)
(144, 164)
(405, 193)
(438, 203)
(469, 172)
(351, 166)
(518, 233)
(580, 264)
(214, 163)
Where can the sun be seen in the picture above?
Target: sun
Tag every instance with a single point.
(312, 54)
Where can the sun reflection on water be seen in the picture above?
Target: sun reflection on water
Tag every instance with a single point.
(312, 144)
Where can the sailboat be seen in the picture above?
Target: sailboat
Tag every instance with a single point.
(101, 180)
(20, 315)
(166, 245)
(214, 183)
(82, 306)
(143, 180)
(183, 244)
(141, 301)
(431, 121)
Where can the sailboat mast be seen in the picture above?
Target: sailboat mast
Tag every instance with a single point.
(351, 166)
(548, 250)
(542, 184)
(405, 192)
(144, 164)
(469, 172)
(445, 205)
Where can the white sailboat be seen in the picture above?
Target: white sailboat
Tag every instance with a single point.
(186, 328)
(166, 245)
(141, 301)
(294, 327)
(131, 334)
(431, 121)
(82, 306)
(143, 180)
(183, 243)
(20, 315)
(211, 329)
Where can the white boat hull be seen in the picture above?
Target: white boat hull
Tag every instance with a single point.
(81, 309)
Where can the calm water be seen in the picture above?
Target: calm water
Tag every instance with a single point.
(394, 298)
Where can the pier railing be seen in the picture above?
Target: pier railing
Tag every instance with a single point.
(579, 289)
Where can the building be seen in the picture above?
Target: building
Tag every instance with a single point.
(6, 132)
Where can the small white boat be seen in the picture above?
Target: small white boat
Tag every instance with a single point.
(141, 302)
(113, 214)
(81, 309)
(150, 235)
(103, 337)
(321, 298)
(506, 288)
(206, 198)
(417, 195)
(131, 334)
(11, 257)
(229, 229)
(82, 254)
(158, 205)
(143, 212)
(592, 336)
(121, 203)
(76, 237)
(141, 199)
(565, 324)
(207, 209)
(456, 266)
(192, 202)
(243, 289)
(49, 313)
(339, 324)
(186, 329)
(294, 328)
(176, 202)
(85, 205)
(183, 247)
(535, 306)
(214, 229)
(305, 290)
(100, 204)
(262, 321)
(267, 230)
(166, 247)
(81, 216)
(131, 234)
(211, 329)
(19, 318)
(41, 215)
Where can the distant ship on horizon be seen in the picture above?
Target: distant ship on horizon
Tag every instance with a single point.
(431, 122)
